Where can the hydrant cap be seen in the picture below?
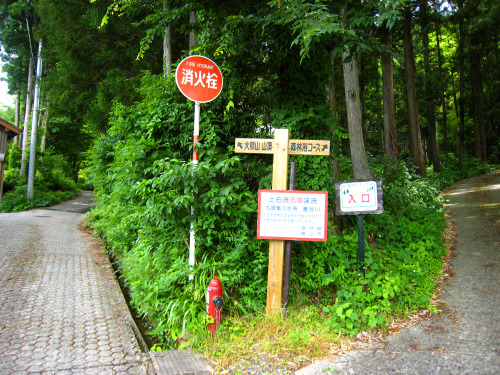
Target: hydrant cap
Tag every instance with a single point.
(218, 301)
(215, 282)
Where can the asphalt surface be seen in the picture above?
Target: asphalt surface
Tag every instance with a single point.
(61, 308)
(464, 338)
(81, 204)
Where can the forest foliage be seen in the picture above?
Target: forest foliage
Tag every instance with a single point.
(116, 121)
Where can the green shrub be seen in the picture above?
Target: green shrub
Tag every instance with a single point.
(52, 185)
(146, 186)
(451, 171)
(402, 256)
(11, 179)
(15, 200)
(145, 192)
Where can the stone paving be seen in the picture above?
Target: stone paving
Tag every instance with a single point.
(61, 309)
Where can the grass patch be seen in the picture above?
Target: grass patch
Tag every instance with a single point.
(270, 343)
(15, 200)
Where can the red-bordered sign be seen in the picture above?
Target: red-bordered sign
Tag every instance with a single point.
(292, 215)
(199, 78)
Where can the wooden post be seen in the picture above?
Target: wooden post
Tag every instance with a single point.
(281, 146)
(276, 248)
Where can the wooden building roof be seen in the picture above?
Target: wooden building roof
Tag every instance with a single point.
(12, 130)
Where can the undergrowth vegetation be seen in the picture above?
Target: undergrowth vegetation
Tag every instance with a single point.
(52, 183)
(268, 343)
(146, 187)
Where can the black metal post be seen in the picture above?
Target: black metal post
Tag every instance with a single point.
(361, 244)
(288, 252)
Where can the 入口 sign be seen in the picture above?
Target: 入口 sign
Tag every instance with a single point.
(359, 197)
(292, 215)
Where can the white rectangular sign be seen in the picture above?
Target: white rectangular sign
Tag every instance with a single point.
(361, 196)
(292, 215)
(295, 146)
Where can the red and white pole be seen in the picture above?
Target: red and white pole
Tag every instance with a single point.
(196, 136)
(200, 80)
(196, 131)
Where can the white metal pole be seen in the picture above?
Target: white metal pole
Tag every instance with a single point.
(196, 136)
(34, 127)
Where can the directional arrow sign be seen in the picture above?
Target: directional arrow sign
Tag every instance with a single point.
(295, 146)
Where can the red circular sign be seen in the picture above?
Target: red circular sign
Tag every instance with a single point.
(199, 78)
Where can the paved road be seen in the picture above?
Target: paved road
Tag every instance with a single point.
(465, 338)
(61, 309)
(81, 204)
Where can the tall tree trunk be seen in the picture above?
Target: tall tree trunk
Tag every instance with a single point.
(330, 88)
(456, 108)
(478, 98)
(17, 114)
(495, 123)
(27, 114)
(415, 137)
(390, 130)
(442, 92)
(18, 108)
(360, 167)
(429, 91)
(34, 127)
(193, 41)
(380, 103)
(45, 126)
(167, 42)
(461, 67)
(361, 71)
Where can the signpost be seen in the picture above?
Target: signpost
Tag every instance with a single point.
(295, 146)
(199, 80)
(280, 147)
(292, 215)
(358, 197)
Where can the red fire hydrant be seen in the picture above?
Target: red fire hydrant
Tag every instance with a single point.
(214, 304)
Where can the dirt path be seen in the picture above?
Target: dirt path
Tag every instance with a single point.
(465, 337)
